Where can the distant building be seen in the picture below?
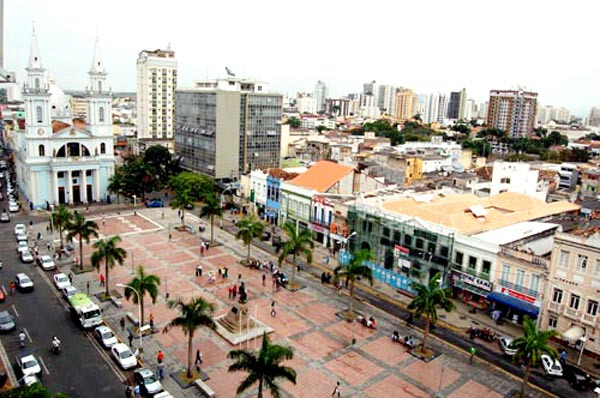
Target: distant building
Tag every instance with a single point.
(320, 95)
(386, 98)
(156, 84)
(79, 106)
(512, 111)
(457, 104)
(305, 103)
(519, 178)
(337, 106)
(594, 118)
(229, 126)
(406, 104)
(435, 108)
(370, 88)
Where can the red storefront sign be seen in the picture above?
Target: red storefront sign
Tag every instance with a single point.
(400, 249)
(518, 295)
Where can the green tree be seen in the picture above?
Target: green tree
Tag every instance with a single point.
(556, 138)
(294, 122)
(82, 229)
(531, 346)
(429, 297)
(181, 201)
(109, 251)
(299, 242)
(192, 315)
(35, 390)
(249, 228)
(462, 128)
(263, 367)
(196, 185)
(418, 117)
(354, 270)
(116, 182)
(493, 134)
(61, 219)
(211, 209)
(143, 283)
(158, 159)
(138, 178)
(321, 128)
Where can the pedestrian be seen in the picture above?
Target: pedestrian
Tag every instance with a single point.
(87, 286)
(472, 352)
(198, 270)
(327, 260)
(336, 391)
(264, 277)
(130, 338)
(169, 236)
(220, 271)
(48, 246)
(234, 291)
(198, 358)
(136, 390)
(225, 272)
(273, 312)
(207, 245)
(151, 321)
(128, 391)
(563, 356)
(230, 292)
(202, 248)
(12, 288)
(160, 356)
(102, 280)
(39, 235)
(71, 278)
(161, 371)
(122, 323)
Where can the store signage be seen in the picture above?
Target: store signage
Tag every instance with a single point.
(319, 229)
(475, 281)
(518, 295)
(399, 250)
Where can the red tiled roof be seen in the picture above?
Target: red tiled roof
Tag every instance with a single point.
(322, 176)
(58, 126)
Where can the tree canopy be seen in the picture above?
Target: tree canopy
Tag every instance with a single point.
(196, 186)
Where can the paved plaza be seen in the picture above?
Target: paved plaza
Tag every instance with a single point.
(306, 320)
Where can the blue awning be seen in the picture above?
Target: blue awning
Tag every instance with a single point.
(515, 303)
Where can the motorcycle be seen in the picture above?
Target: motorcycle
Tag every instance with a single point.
(55, 347)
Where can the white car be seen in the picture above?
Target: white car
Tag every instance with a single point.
(21, 237)
(20, 229)
(105, 336)
(24, 283)
(69, 291)
(46, 262)
(22, 246)
(123, 356)
(4, 217)
(29, 366)
(13, 207)
(26, 257)
(61, 281)
(149, 384)
(505, 342)
(551, 366)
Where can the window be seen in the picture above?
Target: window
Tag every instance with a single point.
(486, 267)
(100, 88)
(563, 261)
(419, 243)
(386, 231)
(557, 295)
(520, 279)
(88, 173)
(505, 272)
(42, 150)
(552, 322)
(534, 284)
(597, 268)
(581, 262)
(592, 308)
(37, 83)
(444, 251)
(101, 114)
(103, 148)
(39, 114)
(472, 262)
(574, 303)
(505, 180)
(407, 240)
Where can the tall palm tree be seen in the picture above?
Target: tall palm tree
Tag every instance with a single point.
(192, 314)
(299, 242)
(84, 230)
(355, 270)
(263, 367)
(249, 228)
(211, 209)
(181, 201)
(429, 297)
(531, 346)
(116, 182)
(143, 283)
(108, 251)
(60, 219)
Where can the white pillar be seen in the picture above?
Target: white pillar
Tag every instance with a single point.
(97, 183)
(55, 185)
(84, 187)
(69, 187)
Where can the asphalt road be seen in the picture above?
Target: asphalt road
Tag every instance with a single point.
(83, 369)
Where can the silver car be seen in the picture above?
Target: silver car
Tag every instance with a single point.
(505, 345)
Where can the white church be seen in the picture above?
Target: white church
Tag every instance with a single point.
(59, 159)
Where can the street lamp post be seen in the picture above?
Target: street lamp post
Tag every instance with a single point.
(221, 203)
(583, 340)
(139, 311)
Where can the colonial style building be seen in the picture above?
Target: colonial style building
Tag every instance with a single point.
(59, 159)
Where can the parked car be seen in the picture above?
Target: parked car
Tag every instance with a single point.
(149, 384)
(4, 217)
(21, 237)
(24, 283)
(22, 246)
(69, 291)
(28, 365)
(551, 366)
(505, 342)
(46, 262)
(26, 257)
(577, 378)
(61, 281)
(7, 322)
(123, 355)
(155, 203)
(13, 207)
(19, 229)
(105, 336)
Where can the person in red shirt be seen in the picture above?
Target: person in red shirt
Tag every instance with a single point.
(160, 356)
(102, 279)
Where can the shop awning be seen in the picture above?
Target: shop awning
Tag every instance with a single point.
(471, 288)
(573, 334)
(519, 305)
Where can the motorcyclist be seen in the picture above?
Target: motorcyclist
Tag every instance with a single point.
(55, 343)
(371, 322)
(22, 338)
(395, 336)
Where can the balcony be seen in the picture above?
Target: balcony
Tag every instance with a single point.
(572, 313)
(589, 319)
(518, 288)
(557, 308)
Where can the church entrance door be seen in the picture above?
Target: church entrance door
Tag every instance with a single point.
(88, 193)
(61, 195)
(76, 194)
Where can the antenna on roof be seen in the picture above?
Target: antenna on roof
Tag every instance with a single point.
(229, 72)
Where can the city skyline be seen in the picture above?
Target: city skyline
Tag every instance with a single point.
(284, 48)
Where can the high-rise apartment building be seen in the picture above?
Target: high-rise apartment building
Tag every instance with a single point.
(386, 98)
(305, 103)
(229, 126)
(370, 88)
(321, 93)
(594, 118)
(435, 108)
(513, 111)
(457, 104)
(547, 113)
(156, 84)
(406, 104)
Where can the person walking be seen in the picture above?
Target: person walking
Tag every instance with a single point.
(102, 280)
(152, 321)
(122, 323)
(264, 277)
(161, 371)
(202, 248)
(273, 312)
(87, 286)
(230, 292)
(234, 291)
(160, 356)
(199, 270)
(472, 352)
(128, 391)
(130, 339)
(198, 361)
(13, 285)
(336, 391)
(71, 278)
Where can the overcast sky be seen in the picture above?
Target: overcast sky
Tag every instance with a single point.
(547, 46)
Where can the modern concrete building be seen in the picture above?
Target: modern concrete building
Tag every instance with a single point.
(435, 108)
(386, 99)
(229, 126)
(156, 84)
(406, 104)
(594, 117)
(320, 95)
(513, 111)
(305, 103)
(517, 177)
(457, 104)
(78, 106)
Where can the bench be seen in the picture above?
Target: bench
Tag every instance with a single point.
(132, 318)
(206, 390)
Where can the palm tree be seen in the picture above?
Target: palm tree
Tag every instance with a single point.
(249, 228)
(429, 297)
(531, 346)
(181, 201)
(192, 314)
(60, 219)
(211, 209)
(263, 368)
(82, 228)
(355, 270)
(116, 182)
(298, 243)
(108, 251)
(143, 283)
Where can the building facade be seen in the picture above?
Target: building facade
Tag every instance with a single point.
(457, 104)
(512, 111)
(228, 126)
(320, 95)
(156, 84)
(57, 161)
(406, 104)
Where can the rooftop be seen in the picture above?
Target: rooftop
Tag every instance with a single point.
(515, 232)
(322, 176)
(469, 214)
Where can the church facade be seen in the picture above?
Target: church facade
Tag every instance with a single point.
(59, 159)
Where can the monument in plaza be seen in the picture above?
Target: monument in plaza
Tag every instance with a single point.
(238, 325)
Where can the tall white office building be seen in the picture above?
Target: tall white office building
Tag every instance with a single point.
(386, 98)
(321, 93)
(156, 84)
(435, 108)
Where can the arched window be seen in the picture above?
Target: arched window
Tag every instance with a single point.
(42, 150)
(39, 114)
(99, 87)
(101, 114)
(103, 148)
(37, 83)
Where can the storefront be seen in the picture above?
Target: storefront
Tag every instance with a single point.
(513, 305)
(321, 234)
(470, 289)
